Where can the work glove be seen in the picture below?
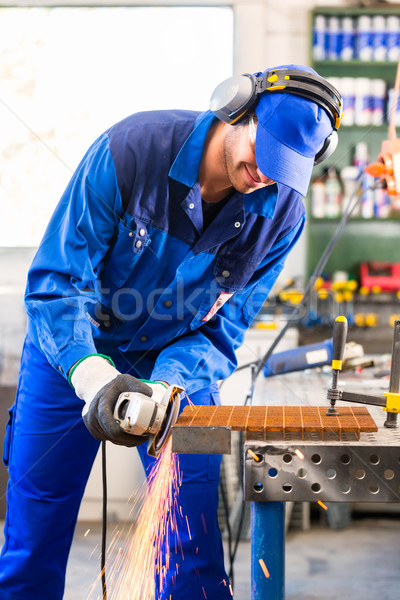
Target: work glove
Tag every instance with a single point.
(99, 384)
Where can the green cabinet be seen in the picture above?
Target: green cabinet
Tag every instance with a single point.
(362, 239)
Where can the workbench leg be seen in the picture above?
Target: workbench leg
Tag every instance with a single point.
(268, 545)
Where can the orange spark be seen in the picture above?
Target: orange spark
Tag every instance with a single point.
(187, 523)
(93, 551)
(324, 506)
(204, 592)
(86, 532)
(197, 550)
(253, 454)
(264, 568)
(299, 454)
(231, 589)
(190, 403)
(142, 562)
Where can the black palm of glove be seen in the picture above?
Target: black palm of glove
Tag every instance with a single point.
(99, 418)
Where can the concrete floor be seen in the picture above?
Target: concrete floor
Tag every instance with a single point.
(360, 562)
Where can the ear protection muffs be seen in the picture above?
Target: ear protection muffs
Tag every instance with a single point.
(234, 98)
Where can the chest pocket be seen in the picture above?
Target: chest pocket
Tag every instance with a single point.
(231, 274)
(131, 240)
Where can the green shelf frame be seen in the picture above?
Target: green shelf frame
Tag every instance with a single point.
(356, 68)
(353, 11)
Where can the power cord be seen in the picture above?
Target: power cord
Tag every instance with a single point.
(104, 524)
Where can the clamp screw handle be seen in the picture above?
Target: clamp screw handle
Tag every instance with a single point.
(339, 341)
(340, 327)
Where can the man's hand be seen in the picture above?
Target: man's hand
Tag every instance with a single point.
(99, 384)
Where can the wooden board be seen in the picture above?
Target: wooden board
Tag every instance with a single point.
(280, 419)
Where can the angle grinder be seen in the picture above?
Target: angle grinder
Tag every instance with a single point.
(142, 415)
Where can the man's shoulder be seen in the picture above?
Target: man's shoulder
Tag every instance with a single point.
(156, 119)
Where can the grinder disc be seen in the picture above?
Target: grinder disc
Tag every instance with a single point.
(158, 441)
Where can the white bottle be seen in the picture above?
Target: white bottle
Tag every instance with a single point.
(333, 38)
(347, 89)
(349, 176)
(318, 198)
(378, 38)
(390, 108)
(393, 38)
(347, 39)
(378, 99)
(333, 194)
(361, 159)
(362, 104)
(320, 38)
(364, 38)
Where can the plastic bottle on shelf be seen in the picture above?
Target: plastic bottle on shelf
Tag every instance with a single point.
(319, 38)
(333, 38)
(347, 89)
(364, 38)
(393, 38)
(333, 194)
(349, 176)
(378, 100)
(318, 198)
(362, 104)
(361, 159)
(368, 197)
(347, 39)
(378, 38)
(382, 205)
(390, 108)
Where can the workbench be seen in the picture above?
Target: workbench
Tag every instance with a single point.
(332, 470)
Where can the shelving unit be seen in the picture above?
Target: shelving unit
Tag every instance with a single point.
(362, 239)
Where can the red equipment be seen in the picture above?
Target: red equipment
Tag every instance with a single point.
(382, 275)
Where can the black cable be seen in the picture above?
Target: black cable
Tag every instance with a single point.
(104, 525)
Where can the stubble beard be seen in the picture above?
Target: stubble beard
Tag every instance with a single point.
(233, 169)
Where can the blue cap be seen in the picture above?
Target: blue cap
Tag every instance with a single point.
(290, 132)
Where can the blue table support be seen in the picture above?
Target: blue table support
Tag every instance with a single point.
(268, 544)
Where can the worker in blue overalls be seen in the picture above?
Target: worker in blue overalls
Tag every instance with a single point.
(159, 255)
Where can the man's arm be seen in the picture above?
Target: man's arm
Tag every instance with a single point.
(207, 354)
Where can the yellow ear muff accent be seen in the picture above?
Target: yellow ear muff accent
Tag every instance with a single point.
(273, 78)
(237, 118)
(276, 87)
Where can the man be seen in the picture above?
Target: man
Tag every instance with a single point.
(159, 255)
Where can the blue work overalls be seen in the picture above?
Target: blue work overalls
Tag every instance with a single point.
(125, 269)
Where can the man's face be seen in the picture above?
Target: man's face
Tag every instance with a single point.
(240, 160)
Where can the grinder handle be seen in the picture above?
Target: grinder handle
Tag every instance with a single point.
(339, 341)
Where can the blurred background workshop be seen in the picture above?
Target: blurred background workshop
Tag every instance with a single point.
(330, 494)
